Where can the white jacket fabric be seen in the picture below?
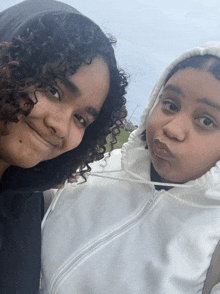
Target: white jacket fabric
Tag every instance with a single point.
(116, 234)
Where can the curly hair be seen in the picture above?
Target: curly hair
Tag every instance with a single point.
(52, 48)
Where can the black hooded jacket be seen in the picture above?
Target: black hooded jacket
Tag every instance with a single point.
(21, 200)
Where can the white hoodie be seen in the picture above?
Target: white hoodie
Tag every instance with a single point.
(116, 234)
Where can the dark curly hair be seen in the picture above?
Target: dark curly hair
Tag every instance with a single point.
(52, 48)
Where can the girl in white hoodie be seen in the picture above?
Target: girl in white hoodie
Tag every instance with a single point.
(148, 218)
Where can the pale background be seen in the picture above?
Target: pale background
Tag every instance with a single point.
(150, 34)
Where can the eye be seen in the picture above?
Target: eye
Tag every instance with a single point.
(55, 93)
(168, 105)
(81, 120)
(206, 122)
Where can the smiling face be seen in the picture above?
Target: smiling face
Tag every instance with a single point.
(59, 119)
(183, 132)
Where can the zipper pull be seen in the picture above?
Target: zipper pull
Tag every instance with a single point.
(155, 193)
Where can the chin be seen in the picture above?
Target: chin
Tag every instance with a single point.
(25, 164)
(22, 161)
(174, 179)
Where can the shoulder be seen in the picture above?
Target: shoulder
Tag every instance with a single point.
(92, 184)
(110, 162)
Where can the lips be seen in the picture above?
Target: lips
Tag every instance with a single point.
(45, 139)
(161, 150)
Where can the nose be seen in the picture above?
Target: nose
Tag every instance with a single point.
(177, 129)
(58, 121)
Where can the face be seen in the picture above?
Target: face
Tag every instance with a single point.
(183, 132)
(59, 119)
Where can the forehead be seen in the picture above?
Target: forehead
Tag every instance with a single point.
(89, 86)
(194, 82)
(185, 75)
(95, 75)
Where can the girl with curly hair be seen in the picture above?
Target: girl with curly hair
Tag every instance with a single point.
(61, 94)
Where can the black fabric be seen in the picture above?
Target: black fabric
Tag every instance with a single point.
(155, 177)
(20, 252)
(18, 17)
(21, 209)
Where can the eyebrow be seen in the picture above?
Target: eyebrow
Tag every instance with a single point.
(209, 103)
(175, 89)
(92, 111)
(205, 101)
(71, 86)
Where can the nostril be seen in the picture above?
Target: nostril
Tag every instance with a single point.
(166, 133)
(58, 126)
(53, 130)
(169, 134)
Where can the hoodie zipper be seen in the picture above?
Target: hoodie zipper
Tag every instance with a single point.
(74, 261)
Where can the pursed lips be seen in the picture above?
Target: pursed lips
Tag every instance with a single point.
(47, 139)
(160, 149)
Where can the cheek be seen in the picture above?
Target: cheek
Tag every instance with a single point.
(214, 152)
(152, 124)
(74, 140)
(148, 131)
(71, 143)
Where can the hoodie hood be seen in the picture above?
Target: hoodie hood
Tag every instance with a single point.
(16, 19)
(134, 153)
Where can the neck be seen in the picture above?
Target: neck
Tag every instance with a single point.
(3, 166)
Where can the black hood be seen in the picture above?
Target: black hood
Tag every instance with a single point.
(16, 19)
